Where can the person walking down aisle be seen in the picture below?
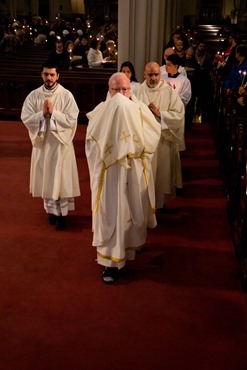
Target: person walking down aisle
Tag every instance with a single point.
(121, 139)
(168, 109)
(179, 82)
(128, 69)
(50, 115)
(163, 71)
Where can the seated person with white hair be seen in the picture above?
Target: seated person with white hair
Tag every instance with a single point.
(78, 37)
(111, 52)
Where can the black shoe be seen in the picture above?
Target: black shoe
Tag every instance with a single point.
(52, 219)
(163, 210)
(61, 222)
(109, 275)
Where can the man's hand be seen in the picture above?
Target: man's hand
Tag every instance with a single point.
(242, 91)
(154, 109)
(47, 108)
(241, 101)
(170, 84)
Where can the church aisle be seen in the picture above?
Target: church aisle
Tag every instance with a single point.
(179, 304)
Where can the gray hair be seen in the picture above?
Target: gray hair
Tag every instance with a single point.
(117, 76)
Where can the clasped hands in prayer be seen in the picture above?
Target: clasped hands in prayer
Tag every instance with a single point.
(47, 108)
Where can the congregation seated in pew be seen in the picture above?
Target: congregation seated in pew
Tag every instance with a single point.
(231, 149)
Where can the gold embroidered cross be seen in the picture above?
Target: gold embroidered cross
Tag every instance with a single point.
(135, 138)
(108, 148)
(124, 137)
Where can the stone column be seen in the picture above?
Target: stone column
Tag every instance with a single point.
(143, 26)
(77, 6)
(34, 7)
(12, 7)
(242, 16)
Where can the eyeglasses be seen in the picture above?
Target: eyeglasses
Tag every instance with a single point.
(119, 89)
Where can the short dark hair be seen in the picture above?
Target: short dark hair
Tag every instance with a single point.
(242, 50)
(94, 43)
(174, 59)
(50, 64)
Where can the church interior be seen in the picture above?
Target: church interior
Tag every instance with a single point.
(182, 302)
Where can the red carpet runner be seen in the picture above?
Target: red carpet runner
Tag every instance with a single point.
(178, 306)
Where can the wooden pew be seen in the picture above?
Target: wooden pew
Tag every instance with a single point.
(237, 192)
(240, 226)
(236, 166)
(218, 109)
(89, 87)
(223, 134)
(20, 74)
(231, 148)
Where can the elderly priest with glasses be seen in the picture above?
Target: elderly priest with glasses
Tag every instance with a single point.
(122, 137)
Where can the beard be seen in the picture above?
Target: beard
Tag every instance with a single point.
(49, 85)
(153, 84)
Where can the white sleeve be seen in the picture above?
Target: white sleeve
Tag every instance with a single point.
(185, 93)
(53, 124)
(163, 124)
(43, 125)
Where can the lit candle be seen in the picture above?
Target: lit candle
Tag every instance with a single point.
(240, 74)
(244, 74)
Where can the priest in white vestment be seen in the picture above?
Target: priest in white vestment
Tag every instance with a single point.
(50, 115)
(121, 140)
(168, 109)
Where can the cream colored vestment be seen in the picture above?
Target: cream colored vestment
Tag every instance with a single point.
(166, 163)
(53, 164)
(122, 137)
